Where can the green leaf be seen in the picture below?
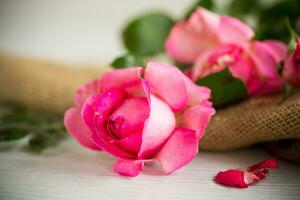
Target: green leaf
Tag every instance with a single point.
(225, 88)
(208, 4)
(127, 60)
(40, 141)
(242, 8)
(11, 134)
(146, 35)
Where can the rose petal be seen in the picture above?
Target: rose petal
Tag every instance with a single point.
(110, 146)
(131, 144)
(290, 72)
(129, 117)
(75, 126)
(197, 117)
(85, 91)
(264, 60)
(128, 167)
(239, 178)
(158, 127)
(277, 49)
(179, 150)
(233, 31)
(168, 83)
(98, 107)
(196, 94)
(232, 178)
(128, 79)
(189, 39)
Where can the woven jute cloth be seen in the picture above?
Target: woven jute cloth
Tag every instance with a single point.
(51, 86)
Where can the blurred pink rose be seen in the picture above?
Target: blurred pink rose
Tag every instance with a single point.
(213, 42)
(291, 69)
(159, 117)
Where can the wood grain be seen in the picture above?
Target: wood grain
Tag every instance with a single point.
(71, 172)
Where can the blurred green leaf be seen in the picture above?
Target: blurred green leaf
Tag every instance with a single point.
(10, 134)
(44, 129)
(127, 60)
(208, 4)
(146, 35)
(242, 8)
(271, 23)
(225, 88)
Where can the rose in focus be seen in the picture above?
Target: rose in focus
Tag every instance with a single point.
(159, 117)
(211, 43)
(291, 69)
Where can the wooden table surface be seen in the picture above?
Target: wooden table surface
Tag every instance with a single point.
(71, 172)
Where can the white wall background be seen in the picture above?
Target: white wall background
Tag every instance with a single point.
(72, 30)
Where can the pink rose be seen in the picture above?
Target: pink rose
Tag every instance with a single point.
(214, 42)
(291, 69)
(159, 117)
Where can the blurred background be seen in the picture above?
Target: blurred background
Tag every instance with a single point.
(73, 30)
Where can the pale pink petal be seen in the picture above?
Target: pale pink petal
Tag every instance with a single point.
(167, 82)
(189, 39)
(97, 108)
(129, 117)
(233, 31)
(196, 93)
(85, 91)
(197, 117)
(158, 127)
(179, 150)
(128, 79)
(75, 126)
(264, 61)
(199, 68)
(128, 167)
(277, 49)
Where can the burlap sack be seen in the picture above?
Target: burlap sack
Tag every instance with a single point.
(50, 86)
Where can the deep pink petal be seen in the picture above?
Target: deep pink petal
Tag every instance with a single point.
(129, 117)
(98, 107)
(254, 174)
(85, 91)
(110, 146)
(75, 126)
(131, 144)
(189, 39)
(128, 79)
(233, 31)
(128, 167)
(197, 117)
(242, 69)
(179, 150)
(167, 82)
(231, 178)
(277, 49)
(158, 127)
(290, 71)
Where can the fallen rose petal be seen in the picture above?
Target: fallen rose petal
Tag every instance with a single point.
(128, 167)
(241, 179)
(232, 178)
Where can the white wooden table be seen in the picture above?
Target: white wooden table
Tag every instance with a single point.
(73, 173)
(88, 32)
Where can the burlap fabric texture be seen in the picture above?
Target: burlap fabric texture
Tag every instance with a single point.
(50, 86)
